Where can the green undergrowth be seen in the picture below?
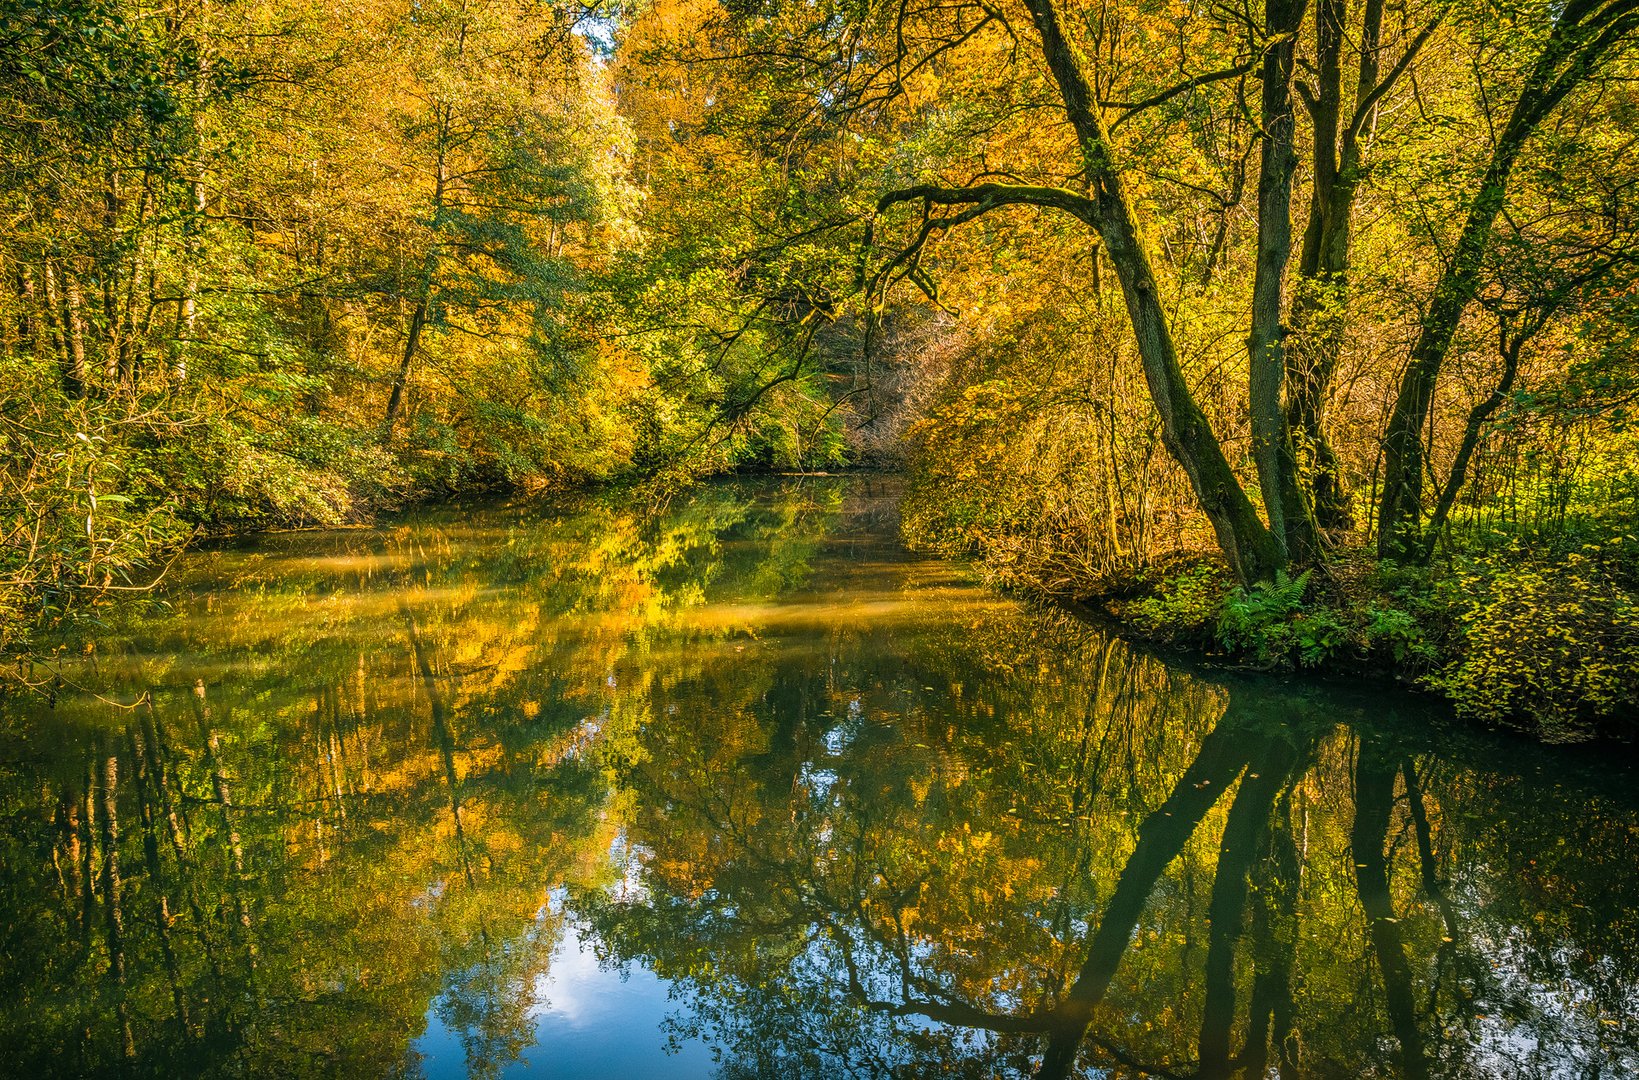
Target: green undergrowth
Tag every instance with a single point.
(1543, 642)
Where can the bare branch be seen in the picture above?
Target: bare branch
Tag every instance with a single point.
(1369, 102)
(1130, 109)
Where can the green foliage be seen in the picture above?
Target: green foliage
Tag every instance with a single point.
(1262, 621)
(1318, 636)
(1396, 633)
(1183, 606)
(1551, 647)
(83, 516)
(1282, 625)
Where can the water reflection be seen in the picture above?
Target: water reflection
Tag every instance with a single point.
(415, 802)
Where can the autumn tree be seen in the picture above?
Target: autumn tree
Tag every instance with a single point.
(968, 152)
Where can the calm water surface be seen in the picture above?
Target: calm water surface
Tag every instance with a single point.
(734, 787)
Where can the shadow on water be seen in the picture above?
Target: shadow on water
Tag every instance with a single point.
(735, 787)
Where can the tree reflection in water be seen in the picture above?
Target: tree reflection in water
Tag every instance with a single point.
(866, 819)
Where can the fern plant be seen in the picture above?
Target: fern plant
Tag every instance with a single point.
(1258, 621)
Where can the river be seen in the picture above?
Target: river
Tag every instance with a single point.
(735, 787)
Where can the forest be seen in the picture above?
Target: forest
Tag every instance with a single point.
(1300, 333)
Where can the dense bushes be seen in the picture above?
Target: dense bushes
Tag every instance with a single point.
(81, 516)
(1555, 644)
(1546, 645)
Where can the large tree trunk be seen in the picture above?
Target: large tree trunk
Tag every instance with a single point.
(1323, 266)
(1320, 301)
(1252, 550)
(1290, 519)
(1400, 509)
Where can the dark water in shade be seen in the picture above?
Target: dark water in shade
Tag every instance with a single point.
(734, 787)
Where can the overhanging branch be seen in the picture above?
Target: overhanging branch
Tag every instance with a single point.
(989, 196)
(975, 200)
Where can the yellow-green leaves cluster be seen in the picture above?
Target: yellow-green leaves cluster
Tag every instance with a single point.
(1552, 647)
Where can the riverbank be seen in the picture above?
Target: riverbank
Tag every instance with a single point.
(114, 551)
(1531, 632)
(1542, 643)
(1546, 646)
(95, 506)
(1515, 626)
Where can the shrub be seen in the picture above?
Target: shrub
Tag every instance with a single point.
(1319, 635)
(1184, 606)
(1554, 649)
(1275, 626)
(1396, 634)
(81, 516)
